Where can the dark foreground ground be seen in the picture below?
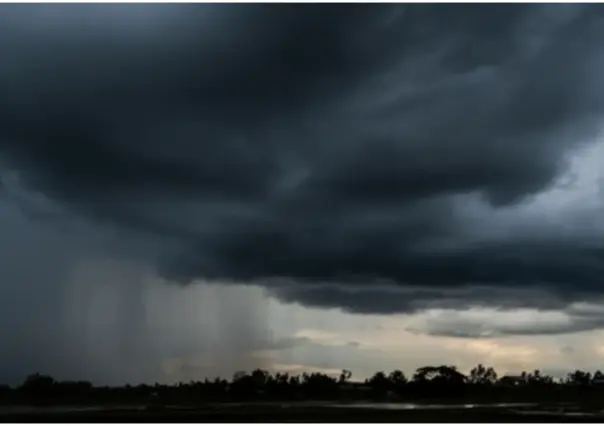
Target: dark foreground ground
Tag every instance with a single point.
(303, 414)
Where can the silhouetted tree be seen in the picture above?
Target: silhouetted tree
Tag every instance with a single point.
(38, 386)
(319, 386)
(480, 375)
(397, 377)
(442, 374)
(345, 375)
(442, 381)
(380, 384)
(580, 378)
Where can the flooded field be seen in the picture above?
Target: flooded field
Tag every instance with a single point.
(419, 406)
(306, 412)
(32, 409)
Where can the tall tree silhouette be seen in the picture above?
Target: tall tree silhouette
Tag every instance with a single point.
(481, 375)
(438, 382)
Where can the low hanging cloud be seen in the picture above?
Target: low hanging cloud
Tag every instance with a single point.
(318, 150)
(489, 323)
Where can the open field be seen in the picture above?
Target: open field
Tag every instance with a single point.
(301, 413)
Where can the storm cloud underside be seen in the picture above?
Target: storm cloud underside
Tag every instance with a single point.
(373, 158)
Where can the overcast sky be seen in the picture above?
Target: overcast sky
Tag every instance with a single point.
(190, 190)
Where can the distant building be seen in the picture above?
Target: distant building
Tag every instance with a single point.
(511, 380)
(598, 381)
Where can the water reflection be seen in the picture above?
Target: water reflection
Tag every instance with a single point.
(419, 406)
(30, 409)
(528, 409)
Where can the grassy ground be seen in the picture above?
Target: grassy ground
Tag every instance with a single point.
(294, 414)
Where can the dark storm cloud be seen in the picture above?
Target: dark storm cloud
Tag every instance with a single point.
(317, 143)
(392, 299)
(575, 318)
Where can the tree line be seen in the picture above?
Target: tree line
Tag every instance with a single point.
(429, 382)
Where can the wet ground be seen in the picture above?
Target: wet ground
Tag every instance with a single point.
(308, 412)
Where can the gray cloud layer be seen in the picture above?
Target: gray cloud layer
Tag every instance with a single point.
(318, 144)
(488, 323)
